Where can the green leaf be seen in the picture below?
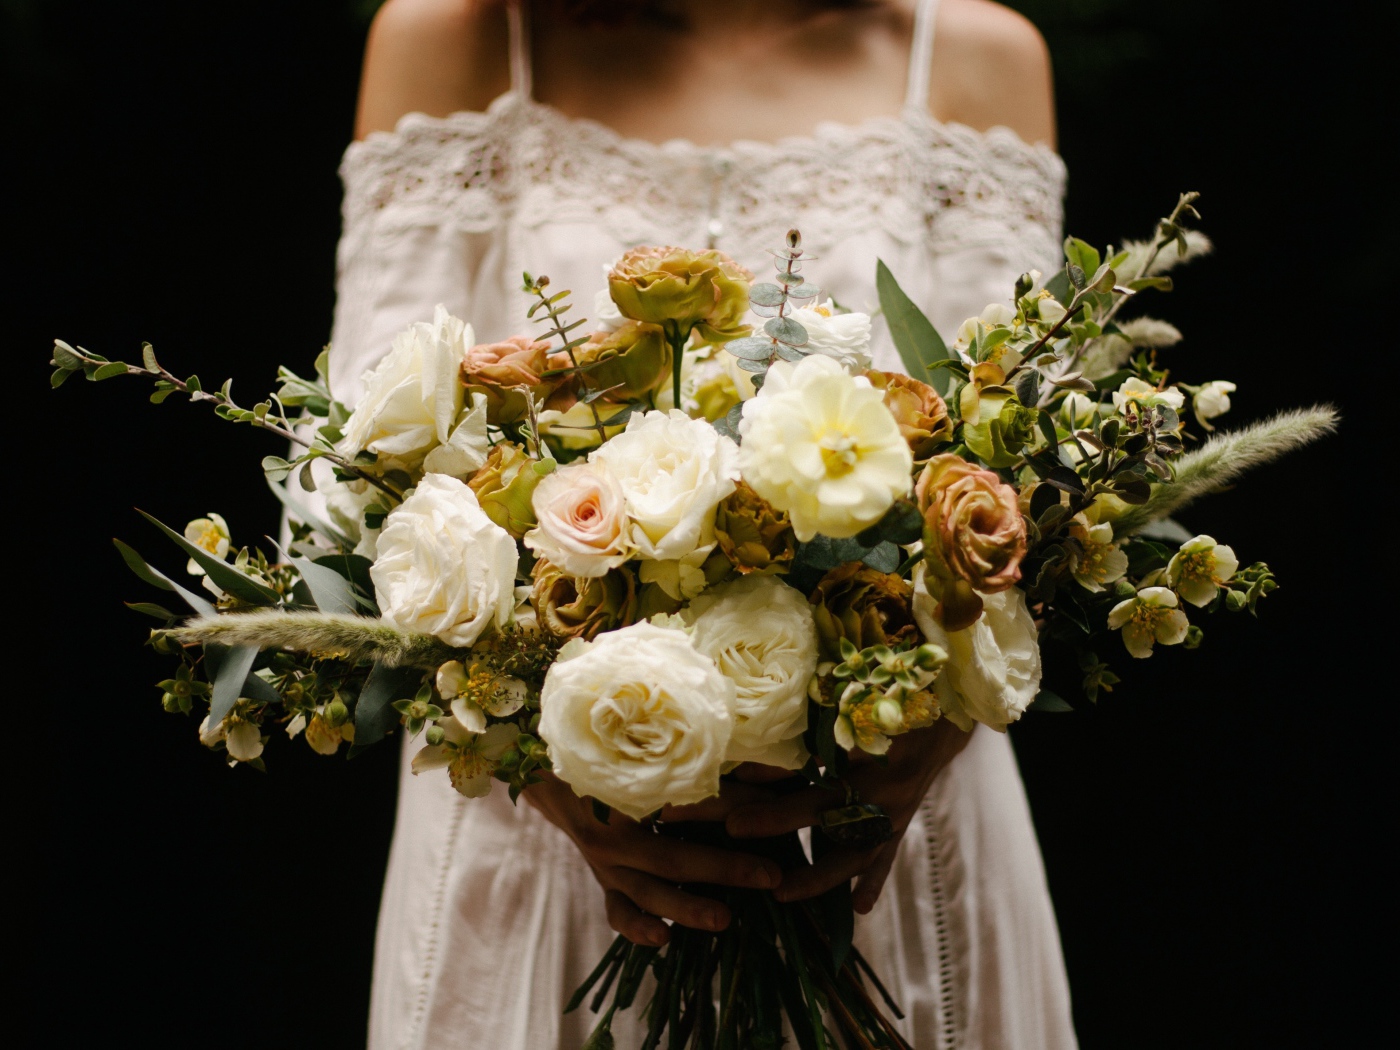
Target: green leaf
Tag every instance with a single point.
(1045, 700)
(228, 670)
(330, 590)
(107, 371)
(161, 395)
(275, 467)
(160, 612)
(1082, 254)
(59, 377)
(355, 569)
(902, 523)
(242, 587)
(148, 357)
(1161, 284)
(304, 478)
(193, 383)
(64, 357)
(155, 578)
(374, 714)
(920, 346)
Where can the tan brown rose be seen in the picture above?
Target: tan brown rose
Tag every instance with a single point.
(864, 605)
(754, 535)
(630, 363)
(583, 606)
(499, 369)
(681, 289)
(974, 536)
(505, 484)
(921, 414)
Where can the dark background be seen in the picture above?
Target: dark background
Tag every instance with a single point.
(1211, 830)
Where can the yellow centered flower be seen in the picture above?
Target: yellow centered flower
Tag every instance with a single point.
(1199, 569)
(1149, 616)
(1100, 562)
(839, 453)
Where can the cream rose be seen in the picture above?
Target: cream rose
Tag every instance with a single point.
(993, 668)
(821, 445)
(581, 520)
(444, 568)
(673, 471)
(761, 635)
(637, 719)
(845, 338)
(412, 399)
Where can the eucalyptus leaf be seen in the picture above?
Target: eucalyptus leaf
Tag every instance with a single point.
(241, 586)
(374, 716)
(155, 578)
(228, 670)
(752, 366)
(789, 353)
(920, 347)
(786, 330)
(751, 348)
(160, 612)
(767, 295)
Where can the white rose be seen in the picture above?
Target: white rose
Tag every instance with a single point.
(581, 521)
(444, 567)
(845, 338)
(771, 666)
(637, 719)
(821, 445)
(1212, 400)
(673, 472)
(412, 399)
(993, 668)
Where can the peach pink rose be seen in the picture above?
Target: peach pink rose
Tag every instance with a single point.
(581, 517)
(498, 369)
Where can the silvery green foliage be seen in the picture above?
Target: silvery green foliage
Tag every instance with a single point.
(784, 338)
(1224, 457)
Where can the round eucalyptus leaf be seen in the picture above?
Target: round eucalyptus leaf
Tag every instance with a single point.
(786, 330)
(752, 348)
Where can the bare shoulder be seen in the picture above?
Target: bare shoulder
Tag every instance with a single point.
(991, 67)
(432, 56)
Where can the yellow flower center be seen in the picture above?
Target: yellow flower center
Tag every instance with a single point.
(1149, 616)
(1198, 565)
(209, 538)
(839, 454)
(468, 764)
(1091, 563)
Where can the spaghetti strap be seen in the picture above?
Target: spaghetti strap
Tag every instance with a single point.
(921, 55)
(518, 19)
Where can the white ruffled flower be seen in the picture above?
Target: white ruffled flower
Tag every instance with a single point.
(1149, 616)
(771, 667)
(845, 338)
(993, 668)
(673, 472)
(1099, 561)
(444, 567)
(209, 534)
(821, 445)
(581, 521)
(414, 395)
(1199, 569)
(470, 758)
(1212, 400)
(637, 719)
(1137, 394)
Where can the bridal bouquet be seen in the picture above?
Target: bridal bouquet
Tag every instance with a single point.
(636, 554)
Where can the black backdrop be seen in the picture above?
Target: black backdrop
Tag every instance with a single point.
(1210, 830)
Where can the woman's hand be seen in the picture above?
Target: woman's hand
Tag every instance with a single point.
(899, 785)
(640, 870)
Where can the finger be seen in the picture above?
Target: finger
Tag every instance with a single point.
(832, 870)
(678, 861)
(872, 881)
(633, 923)
(663, 899)
(801, 809)
(731, 796)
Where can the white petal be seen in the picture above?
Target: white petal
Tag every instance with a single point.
(434, 756)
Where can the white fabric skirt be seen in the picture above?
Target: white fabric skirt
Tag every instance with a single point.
(491, 919)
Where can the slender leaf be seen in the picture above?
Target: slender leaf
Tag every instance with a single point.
(107, 371)
(228, 669)
(375, 718)
(160, 612)
(1045, 700)
(920, 346)
(241, 586)
(155, 578)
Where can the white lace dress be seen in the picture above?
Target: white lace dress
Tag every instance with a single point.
(490, 917)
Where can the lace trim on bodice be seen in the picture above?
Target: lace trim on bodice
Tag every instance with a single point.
(912, 177)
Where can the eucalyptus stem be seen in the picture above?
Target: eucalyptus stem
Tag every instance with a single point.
(561, 330)
(221, 400)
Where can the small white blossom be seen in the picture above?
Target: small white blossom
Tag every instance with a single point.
(1099, 561)
(1199, 568)
(210, 534)
(1149, 616)
(1212, 400)
(1136, 394)
(470, 758)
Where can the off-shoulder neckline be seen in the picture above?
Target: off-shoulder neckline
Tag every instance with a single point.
(473, 121)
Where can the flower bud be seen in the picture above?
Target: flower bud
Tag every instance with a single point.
(434, 735)
(888, 715)
(337, 712)
(1194, 635)
(163, 643)
(1235, 600)
(753, 535)
(630, 363)
(170, 702)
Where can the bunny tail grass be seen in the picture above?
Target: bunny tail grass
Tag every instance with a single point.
(355, 638)
(1225, 457)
